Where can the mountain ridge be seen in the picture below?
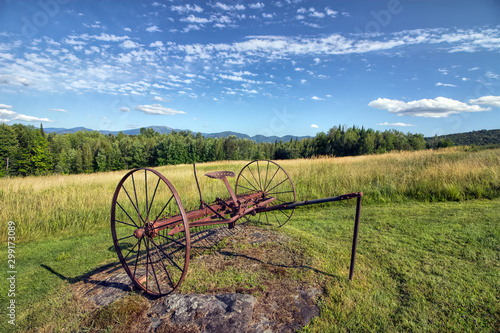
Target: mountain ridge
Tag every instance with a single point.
(165, 130)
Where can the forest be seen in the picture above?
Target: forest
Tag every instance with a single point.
(27, 150)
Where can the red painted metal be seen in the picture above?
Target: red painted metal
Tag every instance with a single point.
(263, 189)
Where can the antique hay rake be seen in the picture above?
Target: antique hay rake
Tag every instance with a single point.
(154, 236)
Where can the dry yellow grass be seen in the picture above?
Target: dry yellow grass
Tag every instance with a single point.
(62, 204)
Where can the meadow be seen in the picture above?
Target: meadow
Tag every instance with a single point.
(428, 257)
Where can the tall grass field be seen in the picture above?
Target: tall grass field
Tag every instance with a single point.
(428, 252)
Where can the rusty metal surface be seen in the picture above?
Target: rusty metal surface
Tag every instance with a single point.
(153, 235)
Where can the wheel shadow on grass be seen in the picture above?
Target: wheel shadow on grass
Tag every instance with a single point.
(97, 276)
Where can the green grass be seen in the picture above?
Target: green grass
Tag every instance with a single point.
(428, 254)
(420, 267)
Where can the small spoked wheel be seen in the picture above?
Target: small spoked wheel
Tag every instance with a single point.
(271, 179)
(156, 260)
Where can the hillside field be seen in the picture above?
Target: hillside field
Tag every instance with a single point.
(428, 253)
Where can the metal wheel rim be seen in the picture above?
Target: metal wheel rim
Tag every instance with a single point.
(265, 182)
(184, 244)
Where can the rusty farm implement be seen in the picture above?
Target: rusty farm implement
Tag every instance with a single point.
(155, 237)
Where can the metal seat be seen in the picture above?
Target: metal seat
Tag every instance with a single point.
(220, 174)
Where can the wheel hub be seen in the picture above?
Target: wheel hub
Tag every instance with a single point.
(148, 230)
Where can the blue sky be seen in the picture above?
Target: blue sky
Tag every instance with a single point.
(255, 67)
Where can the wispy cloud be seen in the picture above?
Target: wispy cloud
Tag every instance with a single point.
(59, 110)
(159, 99)
(439, 84)
(158, 109)
(394, 124)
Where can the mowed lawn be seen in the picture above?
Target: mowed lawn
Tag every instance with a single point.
(423, 263)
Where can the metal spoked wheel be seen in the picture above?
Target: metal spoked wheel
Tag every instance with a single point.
(155, 261)
(270, 178)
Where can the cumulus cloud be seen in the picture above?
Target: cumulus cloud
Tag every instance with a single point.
(431, 108)
(487, 100)
(314, 126)
(316, 98)
(394, 124)
(158, 109)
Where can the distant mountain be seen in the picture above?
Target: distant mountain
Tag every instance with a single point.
(478, 138)
(166, 130)
(66, 130)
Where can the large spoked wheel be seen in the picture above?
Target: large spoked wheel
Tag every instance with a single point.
(156, 262)
(273, 180)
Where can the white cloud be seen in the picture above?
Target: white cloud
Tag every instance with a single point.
(159, 99)
(153, 28)
(330, 12)
(433, 108)
(316, 98)
(257, 5)
(128, 44)
(445, 84)
(487, 100)
(267, 15)
(394, 124)
(195, 19)
(158, 43)
(127, 29)
(158, 109)
(187, 8)
(125, 109)
(316, 14)
(11, 115)
(24, 117)
(59, 110)
(314, 126)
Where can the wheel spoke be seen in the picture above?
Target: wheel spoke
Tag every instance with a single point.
(256, 182)
(146, 184)
(125, 258)
(284, 180)
(125, 237)
(154, 194)
(153, 269)
(249, 183)
(163, 264)
(138, 254)
(258, 172)
(135, 193)
(126, 214)
(132, 202)
(126, 223)
(271, 180)
(164, 207)
(170, 259)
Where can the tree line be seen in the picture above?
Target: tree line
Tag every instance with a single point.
(27, 150)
